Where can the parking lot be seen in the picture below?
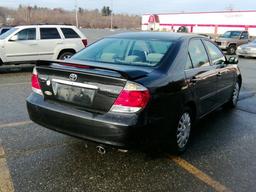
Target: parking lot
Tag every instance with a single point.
(222, 155)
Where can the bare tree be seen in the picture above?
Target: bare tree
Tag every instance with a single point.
(87, 18)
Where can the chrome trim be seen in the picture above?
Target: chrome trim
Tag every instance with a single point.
(83, 85)
(28, 54)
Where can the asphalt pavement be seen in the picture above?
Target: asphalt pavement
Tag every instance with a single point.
(222, 155)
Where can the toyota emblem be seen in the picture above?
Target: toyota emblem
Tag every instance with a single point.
(73, 77)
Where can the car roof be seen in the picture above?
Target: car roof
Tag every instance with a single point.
(26, 26)
(155, 35)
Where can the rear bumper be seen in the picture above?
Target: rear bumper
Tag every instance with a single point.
(125, 130)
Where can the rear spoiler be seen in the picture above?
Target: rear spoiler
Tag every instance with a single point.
(134, 74)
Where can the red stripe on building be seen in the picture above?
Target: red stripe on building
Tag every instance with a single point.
(244, 11)
(206, 25)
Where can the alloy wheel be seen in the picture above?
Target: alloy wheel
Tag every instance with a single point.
(235, 94)
(67, 57)
(183, 131)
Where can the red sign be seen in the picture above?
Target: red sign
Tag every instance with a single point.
(153, 19)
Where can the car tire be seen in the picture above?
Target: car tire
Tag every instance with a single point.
(182, 132)
(231, 50)
(66, 55)
(232, 103)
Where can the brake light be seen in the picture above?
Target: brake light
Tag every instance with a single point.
(35, 82)
(131, 99)
(85, 42)
(77, 66)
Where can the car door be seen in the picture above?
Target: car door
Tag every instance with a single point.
(201, 76)
(50, 39)
(23, 48)
(225, 74)
(244, 38)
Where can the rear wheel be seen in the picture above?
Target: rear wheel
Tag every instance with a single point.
(231, 50)
(66, 55)
(182, 132)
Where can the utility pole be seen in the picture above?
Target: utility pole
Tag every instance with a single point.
(111, 17)
(76, 7)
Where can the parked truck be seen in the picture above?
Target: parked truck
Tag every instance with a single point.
(230, 40)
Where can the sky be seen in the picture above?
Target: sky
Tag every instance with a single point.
(140, 6)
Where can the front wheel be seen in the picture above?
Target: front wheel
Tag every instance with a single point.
(235, 96)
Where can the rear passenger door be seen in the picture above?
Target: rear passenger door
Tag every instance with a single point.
(201, 76)
(50, 39)
(225, 74)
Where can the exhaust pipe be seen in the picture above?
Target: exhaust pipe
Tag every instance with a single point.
(123, 150)
(101, 150)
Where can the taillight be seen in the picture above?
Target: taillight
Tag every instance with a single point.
(85, 42)
(131, 99)
(35, 82)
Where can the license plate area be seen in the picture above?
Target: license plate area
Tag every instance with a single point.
(75, 94)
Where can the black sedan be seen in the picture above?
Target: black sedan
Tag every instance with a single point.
(134, 89)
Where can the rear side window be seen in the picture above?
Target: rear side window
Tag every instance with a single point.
(198, 53)
(69, 33)
(215, 54)
(27, 34)
(49, 33)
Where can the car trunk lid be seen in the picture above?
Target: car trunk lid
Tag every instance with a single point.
(87, 86)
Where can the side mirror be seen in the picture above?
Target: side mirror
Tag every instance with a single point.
(242, 37)
(233, 60)
(14, 38)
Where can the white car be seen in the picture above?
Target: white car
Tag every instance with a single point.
(26, 44)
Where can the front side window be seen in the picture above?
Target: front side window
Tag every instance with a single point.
(215, 54)
(126, 51)
(198, 53)
(26, 34)
(244, 35)
(4, 30)
(9, 32)
(69, 33)
(49, 33)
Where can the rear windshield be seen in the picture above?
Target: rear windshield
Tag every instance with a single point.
(125, 51)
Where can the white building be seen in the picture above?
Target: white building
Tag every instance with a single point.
(202, 22)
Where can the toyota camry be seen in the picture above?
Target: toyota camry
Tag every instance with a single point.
(135, 89)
